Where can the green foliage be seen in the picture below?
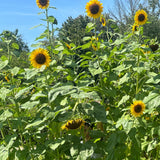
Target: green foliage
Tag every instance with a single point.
(13, 47)
(98, 87)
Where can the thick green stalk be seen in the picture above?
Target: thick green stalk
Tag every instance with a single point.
(48, 26)
(8, 52)
(3, 137)
(137, 80)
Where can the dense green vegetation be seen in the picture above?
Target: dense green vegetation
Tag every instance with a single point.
(78, 108)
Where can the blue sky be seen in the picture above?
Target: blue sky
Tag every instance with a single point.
(23, 15)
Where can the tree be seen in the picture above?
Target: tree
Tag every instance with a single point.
(124, 15)
(152, 29)
(75, 29)
(13, 47)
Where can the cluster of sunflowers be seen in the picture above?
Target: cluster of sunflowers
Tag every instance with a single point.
(140, 19)
(94, 10)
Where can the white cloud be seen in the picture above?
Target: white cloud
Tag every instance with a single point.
(18, 13)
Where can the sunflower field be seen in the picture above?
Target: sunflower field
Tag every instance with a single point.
(102, 104)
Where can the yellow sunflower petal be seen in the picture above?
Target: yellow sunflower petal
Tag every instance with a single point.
(94, 8)
(43, 4)
(140, 17)
(73, 124)
(40, 57)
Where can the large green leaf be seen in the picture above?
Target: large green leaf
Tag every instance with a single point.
(4, 92)
(154, 80)
(56, 144)
(15, 45)
(30, 73)
(6, 114)
(22, 91)
(3, 64)
(63, 90)
(29, 105)
(124, 79)
(35, 123)
(123, 100)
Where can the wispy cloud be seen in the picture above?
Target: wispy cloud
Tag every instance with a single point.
(18, 14)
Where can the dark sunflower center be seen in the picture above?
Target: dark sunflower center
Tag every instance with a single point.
(102, 20)
(74, 124)
(141, 17)
(43, 2)
(154, 47)
(94, 8)
(138, 108)
(40, 58)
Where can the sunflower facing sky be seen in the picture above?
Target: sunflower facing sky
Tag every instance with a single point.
(73, 124)
(137, 108)
(43, 4)
(94, 8)
(140, 17)
(40, 57)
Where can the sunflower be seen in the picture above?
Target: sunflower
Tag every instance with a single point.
(135, 27)
(103, 21)
(94, 8)
(6, 78)
(73, 124)
(40, 57)
(43, 4)
(140, 17)
(94, 47)
(67, 45)
(154, 47)
(137, 108)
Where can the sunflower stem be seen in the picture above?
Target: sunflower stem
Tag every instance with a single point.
(137, 80)
(49, 38)
(8, 49)
(3, 137)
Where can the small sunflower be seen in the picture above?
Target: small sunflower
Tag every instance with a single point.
(140, 17)
(94, 8)
(40, 57)
(103, 21)
(137, 108)
(95, 47)
(6, 78)
(43, 4)
(73, 124)
(68, 46)
(135, 27)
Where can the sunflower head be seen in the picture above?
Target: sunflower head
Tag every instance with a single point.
(94, 8)
(140, 17)
(154, 47)
(137, 108)
(103, 21)
(6, 78)
(43, 4)
(135, 27)
(73, 124)
(40, 57)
